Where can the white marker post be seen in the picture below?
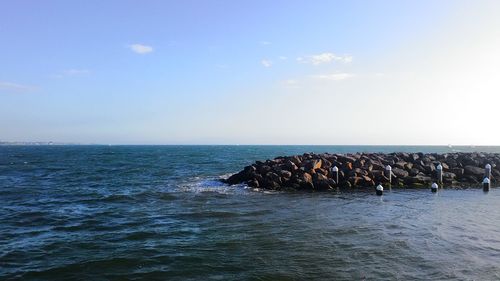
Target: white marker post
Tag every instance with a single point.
(434, 187)
(439, 170)
(486, 184)
(487, 171)
(380, 190)
(335, 172)
(388, 173)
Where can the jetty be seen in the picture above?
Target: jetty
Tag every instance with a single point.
(325, 171)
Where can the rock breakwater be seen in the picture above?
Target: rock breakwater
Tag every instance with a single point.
(313, 172)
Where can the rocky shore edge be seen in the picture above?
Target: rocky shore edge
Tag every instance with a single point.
(323, 172)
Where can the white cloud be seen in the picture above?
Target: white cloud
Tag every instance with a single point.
(324, 58)
(14, 87)
(282, 58)
(264, 43)
(334, 76)
(141, 49)
(266, 63)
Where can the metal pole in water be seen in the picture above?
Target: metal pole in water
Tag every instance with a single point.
(335, 172)
(388, 173)
(434, 187)
(439, 170)
(486, 184)
(487, 171)
(380, 190)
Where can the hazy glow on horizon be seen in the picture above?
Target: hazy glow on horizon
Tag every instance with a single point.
(256, 72)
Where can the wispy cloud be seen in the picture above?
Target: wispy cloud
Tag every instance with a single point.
(264, 43)
(141, 49)
(14, 87)
(334, 76)
(266, 63)
(282, 58)
(324, 58)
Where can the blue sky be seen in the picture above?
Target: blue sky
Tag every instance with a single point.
(249, 72)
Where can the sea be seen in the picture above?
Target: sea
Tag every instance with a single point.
(99, 212)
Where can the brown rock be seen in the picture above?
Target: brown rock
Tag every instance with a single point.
(312, 164)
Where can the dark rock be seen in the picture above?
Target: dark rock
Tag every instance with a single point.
(291, 166)
(400, 165)
(429, 168)
(313, 171)
(273, 177)
(253, 183)
(358, 172)
(367, 181)
(321, 182)
(354, 181)
(449, 175)
(322, 171)
(326, 164)
(312, 164)
(285, 173)
(474, 171)
(457, 171)
(400, 173)
(306, 181)
(421, 179)
(263, 169)
(269, 184)
(495, 173)
(296, 160)
(413, 172)
(359, 163)
(378, 166)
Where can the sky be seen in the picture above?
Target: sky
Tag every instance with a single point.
(250, 72)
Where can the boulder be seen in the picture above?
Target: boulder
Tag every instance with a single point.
(306, 181)
(429, 168)
(290, 166)
(449, 175)
(321, 182)
(285, 173)
(473, 170)
(273, 177)
(420, 179)
(413, 172)
(400, 173)
(263, 169)
(378, 166)
(296, 160)
(312, 164)
(400, 165)
(269, 184)
(313, 171)
(253, 183)
(457, 171)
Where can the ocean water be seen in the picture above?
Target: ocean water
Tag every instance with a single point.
(160, 213)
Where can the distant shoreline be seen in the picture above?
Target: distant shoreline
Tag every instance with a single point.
(48, 143)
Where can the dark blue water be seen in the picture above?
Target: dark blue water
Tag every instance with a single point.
(159, 213)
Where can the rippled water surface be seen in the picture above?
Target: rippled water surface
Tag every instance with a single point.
(159, 213)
